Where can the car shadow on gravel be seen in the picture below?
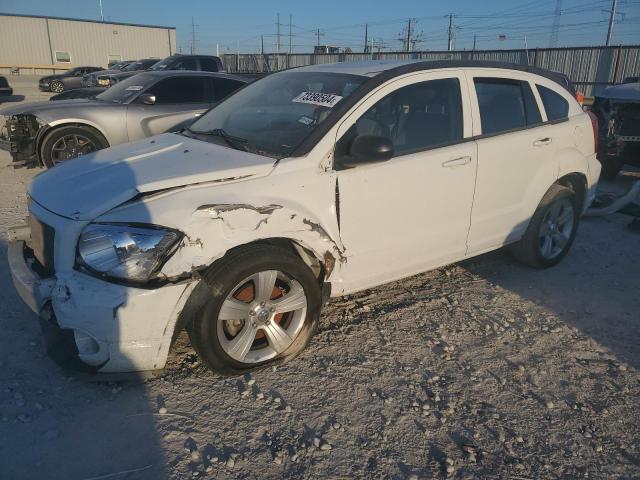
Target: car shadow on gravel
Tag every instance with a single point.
(594, 288)
(67, 425)
(11, 99)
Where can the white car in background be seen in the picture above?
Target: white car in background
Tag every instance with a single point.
(312, 182)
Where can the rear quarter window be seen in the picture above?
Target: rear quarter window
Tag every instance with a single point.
(555, 105)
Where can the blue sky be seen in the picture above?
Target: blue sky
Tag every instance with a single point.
(233, 24)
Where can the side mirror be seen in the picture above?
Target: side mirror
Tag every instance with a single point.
(368, 149)
(147, 99)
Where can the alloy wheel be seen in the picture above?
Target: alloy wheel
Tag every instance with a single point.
(261, 317)
(71, 146)
(556, 229)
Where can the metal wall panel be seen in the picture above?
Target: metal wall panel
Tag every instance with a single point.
(25, 41)
(591, 68)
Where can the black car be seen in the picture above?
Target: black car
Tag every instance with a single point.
(5, 89)
(204, 63)
(103, 77)
(87, 92)
(65, 81)
(618, 112)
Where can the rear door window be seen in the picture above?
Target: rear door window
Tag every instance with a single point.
(180, 90)
(505, 105)
(224, 86)
(555, 105)
(208, 64)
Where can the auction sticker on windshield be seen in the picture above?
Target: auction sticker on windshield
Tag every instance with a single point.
(320, 99)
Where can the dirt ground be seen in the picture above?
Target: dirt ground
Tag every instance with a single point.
(483, 369)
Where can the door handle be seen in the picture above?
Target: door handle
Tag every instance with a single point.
(541, 142)
(456, 162)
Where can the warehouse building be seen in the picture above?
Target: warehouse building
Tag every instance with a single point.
(42, 44)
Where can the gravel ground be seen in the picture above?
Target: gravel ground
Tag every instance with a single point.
(483, 369)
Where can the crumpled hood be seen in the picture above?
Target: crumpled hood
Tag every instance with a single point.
(88, 186)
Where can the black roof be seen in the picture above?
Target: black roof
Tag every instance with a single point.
(83, 20)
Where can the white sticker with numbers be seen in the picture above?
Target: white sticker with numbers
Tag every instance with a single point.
(316, 98)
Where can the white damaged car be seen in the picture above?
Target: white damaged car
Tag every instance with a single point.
(310, 183)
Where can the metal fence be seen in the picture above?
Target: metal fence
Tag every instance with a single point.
(590, 68)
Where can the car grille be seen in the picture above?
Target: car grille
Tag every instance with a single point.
(42, 239)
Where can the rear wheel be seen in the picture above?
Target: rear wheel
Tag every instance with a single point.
(551, 230)
(263, 306)
(65, 143)
(57, 86)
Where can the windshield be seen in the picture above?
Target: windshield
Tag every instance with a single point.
(123, 91)
(162, 64)
(133, 67)
(274, 115)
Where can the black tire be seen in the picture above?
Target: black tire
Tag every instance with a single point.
(528, 249)
(610, 168)
(57, 86)
(223, 276)
(97, 140)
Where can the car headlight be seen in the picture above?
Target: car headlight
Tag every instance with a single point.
(125, 251)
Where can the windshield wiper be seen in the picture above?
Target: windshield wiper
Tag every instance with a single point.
(237, 143)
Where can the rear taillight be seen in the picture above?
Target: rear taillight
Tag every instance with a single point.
(596, 134)
(580, 97)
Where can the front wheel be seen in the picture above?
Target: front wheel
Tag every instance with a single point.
(65, 143)
(263, 305)
(551, 230)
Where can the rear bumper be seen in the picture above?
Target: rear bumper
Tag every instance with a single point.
(95, 326)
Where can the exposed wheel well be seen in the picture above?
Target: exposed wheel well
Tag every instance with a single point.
(45, 133)
(578, 183)
(199, 295)
(303, 252)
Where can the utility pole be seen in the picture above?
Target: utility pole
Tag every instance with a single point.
(193, 36)
(474, 41)
(290, 37)
(450, 43)
(262, 44)
(318, 36)
(612, 21)
(278, 34)
(101, 15)
(408, 46)
(366, 37)
(556, 24)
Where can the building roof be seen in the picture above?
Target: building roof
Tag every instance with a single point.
(84, 20)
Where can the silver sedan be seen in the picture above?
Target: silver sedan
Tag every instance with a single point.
(47, 133)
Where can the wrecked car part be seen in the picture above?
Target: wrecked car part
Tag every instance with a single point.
(618, 204)
(19, 135)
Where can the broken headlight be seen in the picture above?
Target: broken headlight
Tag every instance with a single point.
(127, 252)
